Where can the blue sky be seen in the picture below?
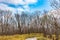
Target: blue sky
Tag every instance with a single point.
(24, 5)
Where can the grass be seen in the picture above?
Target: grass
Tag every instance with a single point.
(39, 36)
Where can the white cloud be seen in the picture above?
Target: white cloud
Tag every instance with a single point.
(2, 0)
(5, 7)
(17, 2)
(30, 1)
(14, 10)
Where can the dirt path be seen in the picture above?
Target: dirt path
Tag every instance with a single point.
(32, 38)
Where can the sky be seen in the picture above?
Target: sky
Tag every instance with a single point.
(24, 5)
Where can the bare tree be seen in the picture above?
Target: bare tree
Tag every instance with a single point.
(18, 22)
(56, 29)
(1, 20)
(55, 4)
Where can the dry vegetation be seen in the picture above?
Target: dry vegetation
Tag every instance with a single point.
(39, 36)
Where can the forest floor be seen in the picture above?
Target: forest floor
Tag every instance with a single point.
(38, 36)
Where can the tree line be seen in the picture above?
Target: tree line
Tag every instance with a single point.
(30, 22)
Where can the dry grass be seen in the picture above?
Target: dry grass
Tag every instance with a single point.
(39, 36)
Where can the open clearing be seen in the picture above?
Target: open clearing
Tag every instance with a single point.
(38, 36)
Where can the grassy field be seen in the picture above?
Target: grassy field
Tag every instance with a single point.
(24, 36)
